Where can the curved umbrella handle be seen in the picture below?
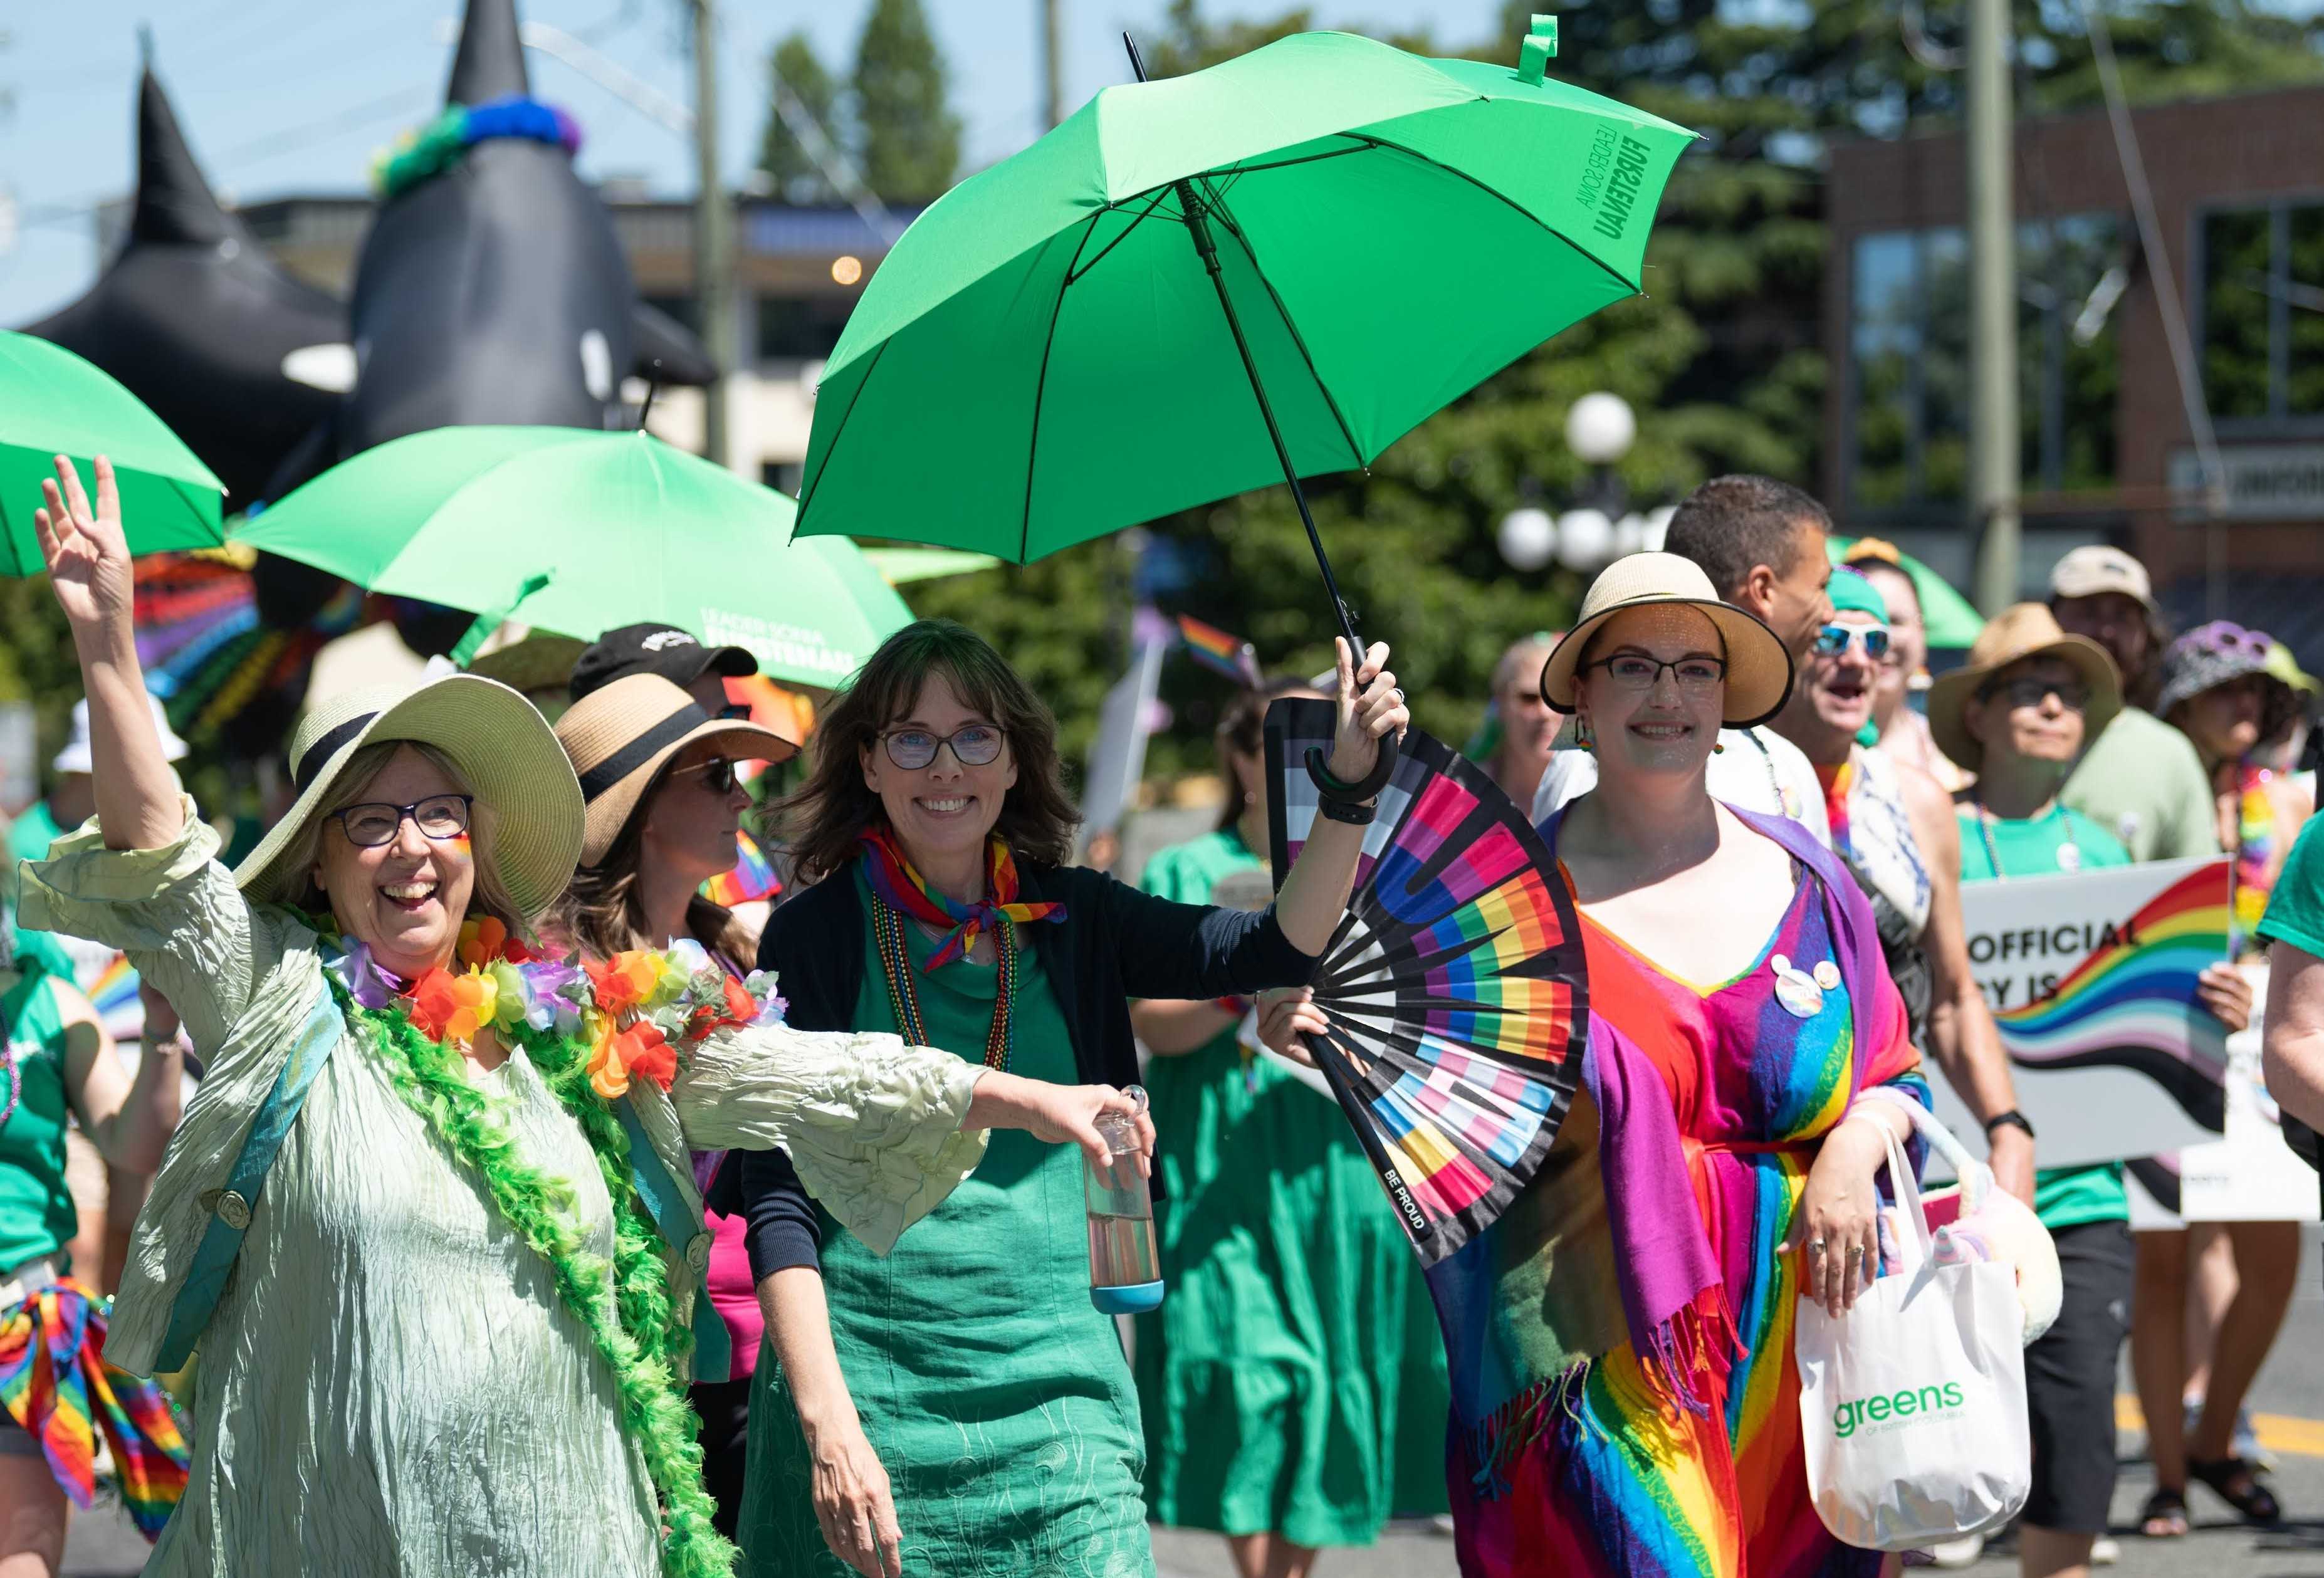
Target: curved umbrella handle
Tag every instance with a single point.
(1363, 789)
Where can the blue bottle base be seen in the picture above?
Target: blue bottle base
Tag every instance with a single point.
(1131, 1298)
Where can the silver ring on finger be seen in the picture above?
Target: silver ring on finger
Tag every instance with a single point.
(1815, 1246)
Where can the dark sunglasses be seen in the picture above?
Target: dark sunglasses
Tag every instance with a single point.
(972, 746)
(370, 823)
(718, 774)
(2032, 690)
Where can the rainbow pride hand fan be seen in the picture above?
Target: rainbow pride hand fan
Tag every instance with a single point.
(1454, 983)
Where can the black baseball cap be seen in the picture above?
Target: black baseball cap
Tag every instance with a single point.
(653, 649)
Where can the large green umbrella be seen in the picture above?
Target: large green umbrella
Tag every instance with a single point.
(1948, 619)
(1072, 340)
(52, 403)
(615, 528)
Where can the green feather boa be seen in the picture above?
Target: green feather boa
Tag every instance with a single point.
(635, 1329)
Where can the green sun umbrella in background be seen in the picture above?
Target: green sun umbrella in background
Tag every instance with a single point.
(1270, 269)
(577, 532)
(52, 403)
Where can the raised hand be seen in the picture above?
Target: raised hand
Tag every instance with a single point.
(86, 549)
(1371, 708)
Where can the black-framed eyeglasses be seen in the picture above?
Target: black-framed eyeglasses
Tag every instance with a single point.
(1834, 640)
(972, 746)
(2032, 690)
(719, 775)
(370, 823)
(1637, 672)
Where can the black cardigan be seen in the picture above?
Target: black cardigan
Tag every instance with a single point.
(1116, 943)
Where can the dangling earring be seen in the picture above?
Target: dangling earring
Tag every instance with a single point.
(1585, 738)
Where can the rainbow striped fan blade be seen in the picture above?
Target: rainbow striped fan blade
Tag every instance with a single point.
(1454, 985)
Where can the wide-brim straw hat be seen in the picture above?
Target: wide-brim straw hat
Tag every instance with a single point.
(499, 744)
(1758, 666)
(2028, 630)
(620, 737)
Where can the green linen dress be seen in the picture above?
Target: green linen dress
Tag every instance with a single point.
(995, 1394)
(1293, 1382)
(390, 1384)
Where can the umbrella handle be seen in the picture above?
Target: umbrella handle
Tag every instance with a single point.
(1364, 788)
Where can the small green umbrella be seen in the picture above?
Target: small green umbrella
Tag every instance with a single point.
(1949, 619)
(52, 403)
(578, 532)
(1273, 268)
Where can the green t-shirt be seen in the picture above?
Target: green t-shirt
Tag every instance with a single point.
(2142, 781)
(36, 1209)
(2295, 910)
(28, 838)
(2034, 847)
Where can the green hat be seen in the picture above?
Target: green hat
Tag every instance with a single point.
(1850, 593)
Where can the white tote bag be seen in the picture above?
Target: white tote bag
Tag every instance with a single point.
(1913, 1402)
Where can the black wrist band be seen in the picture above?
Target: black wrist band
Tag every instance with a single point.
(2012, 1118)
(1354, 813)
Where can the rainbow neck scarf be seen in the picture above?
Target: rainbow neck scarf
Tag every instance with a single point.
(2256, 845)
(902, 889)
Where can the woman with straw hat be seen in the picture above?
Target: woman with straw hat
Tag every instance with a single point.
(665, 803)
(1745, 1051)
(430, 1218)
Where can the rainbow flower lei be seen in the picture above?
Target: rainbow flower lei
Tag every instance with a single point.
(634, 1011)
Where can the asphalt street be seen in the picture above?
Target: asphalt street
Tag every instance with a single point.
(2289, 1401)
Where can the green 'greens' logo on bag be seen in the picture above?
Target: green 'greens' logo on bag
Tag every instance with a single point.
(1897, 1407)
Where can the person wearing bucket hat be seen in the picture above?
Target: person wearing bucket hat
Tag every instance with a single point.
(436, 1182)
(2221, 691)
(1760, 543)
(2017, 713)
(1670, 1308)
(665, 805)
(1895, 830)
(933, 834)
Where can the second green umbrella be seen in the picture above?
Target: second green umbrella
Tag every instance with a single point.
(624, 526)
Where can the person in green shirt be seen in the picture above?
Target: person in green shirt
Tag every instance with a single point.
(2016, 714)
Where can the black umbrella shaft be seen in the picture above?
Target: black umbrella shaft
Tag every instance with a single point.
(1199, 226)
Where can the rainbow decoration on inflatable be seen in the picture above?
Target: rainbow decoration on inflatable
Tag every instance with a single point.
(2131, 1003)
(424, 154)
(1453, 984)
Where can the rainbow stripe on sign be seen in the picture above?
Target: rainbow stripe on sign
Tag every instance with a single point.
(2131, 1004)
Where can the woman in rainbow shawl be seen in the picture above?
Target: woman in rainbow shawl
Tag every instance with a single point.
(431, 1220)
(1626, 1399)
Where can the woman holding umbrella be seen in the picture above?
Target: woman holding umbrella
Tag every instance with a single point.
(435, 1184)
(1637, 1409)
(963, 1407)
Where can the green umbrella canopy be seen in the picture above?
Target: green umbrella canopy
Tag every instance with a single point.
(903, 566)
(1949, 619)
(624, 526)
(1045, 340)
(52, 403)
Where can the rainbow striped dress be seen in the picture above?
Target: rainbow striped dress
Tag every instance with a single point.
(1675, 1448)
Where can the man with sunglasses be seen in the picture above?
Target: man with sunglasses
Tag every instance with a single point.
(700, 671)
(1894, 826)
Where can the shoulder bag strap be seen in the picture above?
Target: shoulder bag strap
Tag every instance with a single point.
(683, 1229)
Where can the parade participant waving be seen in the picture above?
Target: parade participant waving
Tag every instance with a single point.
(431, 1221)
(934, 830)
(1746, 1051)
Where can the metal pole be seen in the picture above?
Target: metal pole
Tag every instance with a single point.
(714, 231)
(1993, 478)
(1053, 92)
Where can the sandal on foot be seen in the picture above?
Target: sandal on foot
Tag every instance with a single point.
(2165, 1515)
(2254, 1500)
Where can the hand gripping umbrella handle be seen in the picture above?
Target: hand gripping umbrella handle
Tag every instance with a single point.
(1364, 788)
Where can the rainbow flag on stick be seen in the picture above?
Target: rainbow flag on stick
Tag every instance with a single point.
(1213, 647)
(752, 878)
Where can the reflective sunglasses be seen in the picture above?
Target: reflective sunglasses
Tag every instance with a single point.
(373, 823)
(1637, 671)
(1834, 640)
(718, 774)
(972, 746)
(2031, 689)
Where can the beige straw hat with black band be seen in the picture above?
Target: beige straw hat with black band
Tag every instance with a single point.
(1759, 668)
(620, 737)
(502, 747)
(2028, 630)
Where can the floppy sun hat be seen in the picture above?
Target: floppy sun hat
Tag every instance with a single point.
(619, 739)
(502, 747)
(2029, 629)
(1759, 668)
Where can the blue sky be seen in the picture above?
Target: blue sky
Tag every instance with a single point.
(294, 95)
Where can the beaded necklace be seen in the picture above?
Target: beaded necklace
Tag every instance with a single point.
(903, 996)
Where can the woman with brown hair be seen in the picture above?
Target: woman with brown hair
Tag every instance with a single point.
(964, 1407)
(1293, 1384)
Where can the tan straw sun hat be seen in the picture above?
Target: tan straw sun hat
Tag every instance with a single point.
(2028, 630)
(1758, 668)
(502, 747)
(619, 738)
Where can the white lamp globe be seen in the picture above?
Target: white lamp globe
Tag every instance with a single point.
(1527, 538)
(1585, 538)
(1657, 528)
(1599, 428)
(1629, 534)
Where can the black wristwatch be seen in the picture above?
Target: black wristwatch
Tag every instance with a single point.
(2012, 1118)
(1355, 812)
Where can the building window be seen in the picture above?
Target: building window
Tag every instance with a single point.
(1908, 351)
(2262, 312)
(801, 329)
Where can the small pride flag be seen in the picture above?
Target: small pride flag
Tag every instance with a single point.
(752, 878)
(1213, 647)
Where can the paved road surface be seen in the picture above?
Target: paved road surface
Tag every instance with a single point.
(2289, 1397)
